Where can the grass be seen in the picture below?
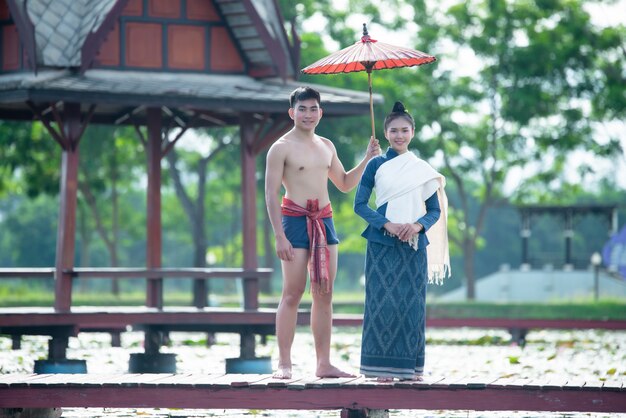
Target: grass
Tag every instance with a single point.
(348, 302)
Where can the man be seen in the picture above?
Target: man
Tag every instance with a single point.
(303, 162)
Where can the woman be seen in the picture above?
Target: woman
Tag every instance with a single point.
(411, 214)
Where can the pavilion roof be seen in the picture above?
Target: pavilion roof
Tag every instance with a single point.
(220, 98)
(61, 38)
(58, 33)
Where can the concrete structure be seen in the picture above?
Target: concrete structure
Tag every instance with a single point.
(544, 285)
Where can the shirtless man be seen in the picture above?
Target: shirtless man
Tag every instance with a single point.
(303, 162)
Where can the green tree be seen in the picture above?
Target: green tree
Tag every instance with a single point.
(533, 98)
(29, 159)
(111, 157)
(540, 77)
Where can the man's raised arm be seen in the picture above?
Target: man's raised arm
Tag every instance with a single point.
(348, 181)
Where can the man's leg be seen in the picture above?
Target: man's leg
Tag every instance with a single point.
(294, 283)
(321, 323)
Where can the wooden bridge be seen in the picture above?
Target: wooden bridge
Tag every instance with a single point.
(351, 395)
(354, 396)
(247, 320)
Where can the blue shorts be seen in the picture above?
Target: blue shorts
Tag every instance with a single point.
(295, 231)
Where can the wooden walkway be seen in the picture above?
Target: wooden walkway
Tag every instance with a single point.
(190, 318)
(190, 391)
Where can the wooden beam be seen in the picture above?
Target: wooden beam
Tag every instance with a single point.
(86, 120)
(170, 144)
(157, 273)
(56, 135)
(140, 135)
(278, 128)
(261, 392)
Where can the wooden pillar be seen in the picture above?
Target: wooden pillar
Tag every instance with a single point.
(71, 131)
(248, 193)
(154, 287)
(525, 234)
(568, 234)
(154, 297)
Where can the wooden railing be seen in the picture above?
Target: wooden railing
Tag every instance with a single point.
(250, 277)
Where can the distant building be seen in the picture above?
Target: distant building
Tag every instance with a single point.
(574, 278)
(544, 285)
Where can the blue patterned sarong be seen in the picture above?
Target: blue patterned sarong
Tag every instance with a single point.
(394, 340)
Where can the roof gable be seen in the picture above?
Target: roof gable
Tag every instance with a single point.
(62, 26)
(71, 33)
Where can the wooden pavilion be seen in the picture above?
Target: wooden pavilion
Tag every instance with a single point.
(159, 64)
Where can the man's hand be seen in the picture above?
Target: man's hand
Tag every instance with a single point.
(284, 250)
(373, 148)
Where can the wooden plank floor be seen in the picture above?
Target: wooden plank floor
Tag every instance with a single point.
(221, 391)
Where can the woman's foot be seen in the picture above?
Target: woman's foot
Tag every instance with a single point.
(415, 378)
(384, 379)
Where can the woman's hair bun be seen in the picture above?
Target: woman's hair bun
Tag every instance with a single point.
(398, 107)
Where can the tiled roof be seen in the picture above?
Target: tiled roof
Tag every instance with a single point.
(248, 33)
(221, 93)
(61, 27)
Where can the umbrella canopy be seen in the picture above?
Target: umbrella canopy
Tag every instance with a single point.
(368, 55)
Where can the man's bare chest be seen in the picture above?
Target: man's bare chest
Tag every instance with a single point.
(308, 160)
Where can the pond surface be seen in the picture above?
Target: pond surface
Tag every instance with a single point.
(588, 355)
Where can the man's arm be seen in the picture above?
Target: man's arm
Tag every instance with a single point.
(274, 168)
(348, 181)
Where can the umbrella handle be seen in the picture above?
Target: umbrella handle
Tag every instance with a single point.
(369, 80)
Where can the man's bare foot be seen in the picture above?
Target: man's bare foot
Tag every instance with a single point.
(331, 371)
(282, 373)
(381, 379)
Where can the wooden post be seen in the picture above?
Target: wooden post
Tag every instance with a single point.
(66, 228)
(154, 297)
(248, 193)
(154, 287)
(525, 234)
(568, 234)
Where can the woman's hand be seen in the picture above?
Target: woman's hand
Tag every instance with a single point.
(393, 229)
(408, 231)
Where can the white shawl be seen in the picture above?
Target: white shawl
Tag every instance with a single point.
(404, 183)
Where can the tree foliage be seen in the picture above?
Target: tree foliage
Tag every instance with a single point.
(518, 87)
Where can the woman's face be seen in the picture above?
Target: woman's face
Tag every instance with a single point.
(399, 133)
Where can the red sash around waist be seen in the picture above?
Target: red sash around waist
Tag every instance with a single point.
(318, 248)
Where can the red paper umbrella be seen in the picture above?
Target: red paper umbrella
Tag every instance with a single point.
(368, 55)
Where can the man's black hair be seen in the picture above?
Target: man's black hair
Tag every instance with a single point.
(304, 93)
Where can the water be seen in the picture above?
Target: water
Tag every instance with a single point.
(582, 354)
